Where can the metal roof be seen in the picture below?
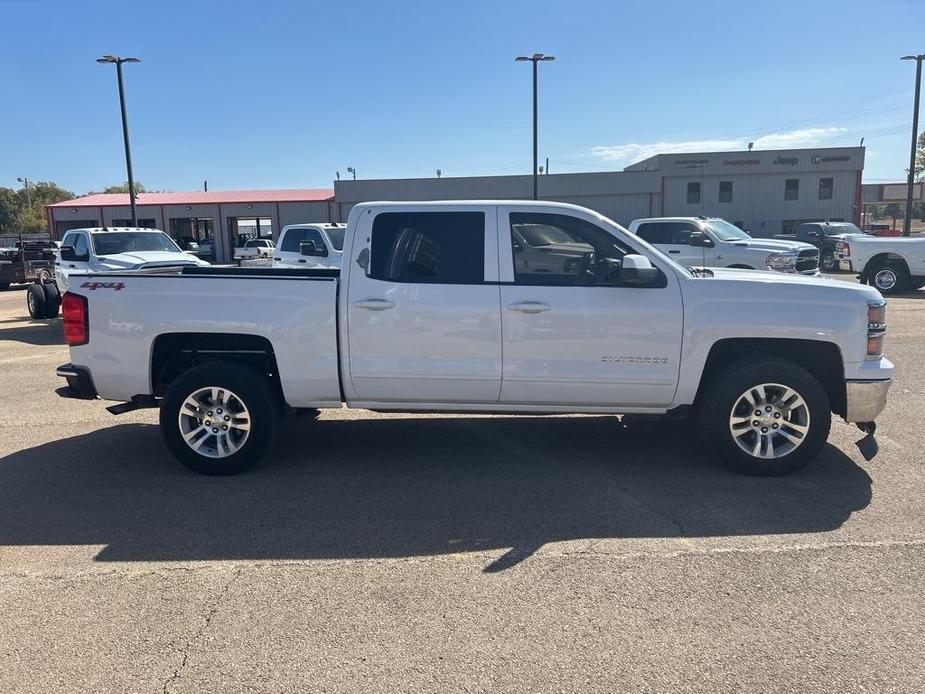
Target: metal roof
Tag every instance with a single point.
(201, 197)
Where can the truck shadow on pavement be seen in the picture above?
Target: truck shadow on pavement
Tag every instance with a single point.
(378, 488)
(34, 332)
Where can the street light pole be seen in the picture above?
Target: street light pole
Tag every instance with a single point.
(128, 152)
(910, 182)
(25, 187)
(535, 59)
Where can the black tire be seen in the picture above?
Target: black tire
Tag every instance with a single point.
(4, 286)
(917, 283)
(52, 300)
(827, 262)
(36, 302)
(889, 277)
(722, 395)
(249, 387)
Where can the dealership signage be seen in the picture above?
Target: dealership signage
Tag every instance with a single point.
(691, 162)
(741, 162)
(788, 161)
(819, 159)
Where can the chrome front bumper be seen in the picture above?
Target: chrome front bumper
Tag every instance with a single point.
(865, 399)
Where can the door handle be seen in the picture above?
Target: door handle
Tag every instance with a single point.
(529, 307)
(674, 251)
(374, 304)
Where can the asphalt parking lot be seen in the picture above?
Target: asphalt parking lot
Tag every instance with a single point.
(390, 553)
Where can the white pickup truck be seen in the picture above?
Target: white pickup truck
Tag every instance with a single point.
(891, 264)
(438, 310)
(714, 242)
(105, 249)
(314, 245)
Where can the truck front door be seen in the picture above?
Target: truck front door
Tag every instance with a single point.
(424, 317)
(574, 337)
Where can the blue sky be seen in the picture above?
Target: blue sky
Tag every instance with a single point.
(283, 94)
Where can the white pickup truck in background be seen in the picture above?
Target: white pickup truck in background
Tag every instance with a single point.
(314, 245)
(437, 308)
(891, 264)
(105, 249)
(714, 242)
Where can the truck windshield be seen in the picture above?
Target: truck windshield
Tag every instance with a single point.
(115, 242)
(725, 231)
(836, 229)
(337, 237)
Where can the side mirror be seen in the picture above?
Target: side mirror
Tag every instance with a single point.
(701, 240)
(69, 253)
(638, 271)
(309, 248)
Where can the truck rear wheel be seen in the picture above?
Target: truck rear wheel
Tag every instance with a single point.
(889, 277)
(827, 262)
(218, 418)
(52, 299)
(36, 302)
(765, 416)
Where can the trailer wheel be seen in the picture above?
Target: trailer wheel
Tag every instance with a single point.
(218, 418)
(52, 299)
(36, 302)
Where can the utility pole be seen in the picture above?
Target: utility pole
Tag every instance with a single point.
(536, 58)
(910, 182)
(117, 61)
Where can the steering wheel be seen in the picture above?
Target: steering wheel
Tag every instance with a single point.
(588, 262)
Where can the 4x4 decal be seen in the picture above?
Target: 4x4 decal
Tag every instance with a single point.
(103, 285)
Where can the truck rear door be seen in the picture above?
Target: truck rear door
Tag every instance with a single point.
(423, 316)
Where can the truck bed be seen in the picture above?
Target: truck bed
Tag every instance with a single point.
(292, 310)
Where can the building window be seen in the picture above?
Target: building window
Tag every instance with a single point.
(792, 189)
(826, 186)
(142, 223)
(725, 191)
(693, 193)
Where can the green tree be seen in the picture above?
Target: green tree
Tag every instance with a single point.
(894, 210)
(123, 188)
(23, 210)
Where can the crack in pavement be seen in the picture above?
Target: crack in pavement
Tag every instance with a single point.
(213, 610)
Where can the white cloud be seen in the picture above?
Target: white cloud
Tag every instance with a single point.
(635, 152)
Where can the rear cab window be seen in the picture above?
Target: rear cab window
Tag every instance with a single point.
(428, 247)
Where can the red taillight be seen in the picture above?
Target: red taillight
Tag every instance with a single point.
(76, 319)
(846, 249)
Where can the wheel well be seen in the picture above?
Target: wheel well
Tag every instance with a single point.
(822, 359)
(174, 353)
(887, 258)
(741, 267)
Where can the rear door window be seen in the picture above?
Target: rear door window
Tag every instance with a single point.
(428, 247)
(656, 233)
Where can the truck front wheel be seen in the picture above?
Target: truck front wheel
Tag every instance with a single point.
(765, 416)
(218, 418)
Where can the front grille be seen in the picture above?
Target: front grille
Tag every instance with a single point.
(807, 260)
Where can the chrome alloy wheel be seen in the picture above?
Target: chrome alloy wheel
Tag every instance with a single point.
(885, 279)
(769, 421)
(214, 422)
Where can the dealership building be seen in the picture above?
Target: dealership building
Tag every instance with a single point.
(766, 192)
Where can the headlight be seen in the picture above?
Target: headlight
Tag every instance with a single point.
(876, 328)
(781, 261)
